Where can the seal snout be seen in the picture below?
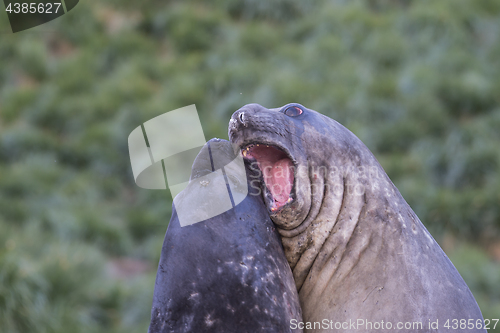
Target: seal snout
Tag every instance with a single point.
(239, 120)
(241, 117)
(251, 117)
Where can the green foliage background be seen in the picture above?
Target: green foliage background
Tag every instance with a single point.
(417, 81)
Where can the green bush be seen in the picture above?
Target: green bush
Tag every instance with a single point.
(417, 81)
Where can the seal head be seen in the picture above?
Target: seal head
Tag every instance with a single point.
(356, 248)
(306, 161)
(227, 273)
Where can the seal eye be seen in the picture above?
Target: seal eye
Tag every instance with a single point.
(293, 111)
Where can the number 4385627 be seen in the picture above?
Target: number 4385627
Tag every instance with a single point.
(32, 8)
(455, 324)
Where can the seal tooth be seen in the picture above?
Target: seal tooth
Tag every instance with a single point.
(244, 153)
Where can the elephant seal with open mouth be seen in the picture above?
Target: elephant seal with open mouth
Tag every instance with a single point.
(227, 273)
(360, 257)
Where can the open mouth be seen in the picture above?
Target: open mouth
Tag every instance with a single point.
(277, 171)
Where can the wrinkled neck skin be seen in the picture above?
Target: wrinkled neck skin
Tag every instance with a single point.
(333, 169)
(355, 247)
(335, 175)
(337, 181)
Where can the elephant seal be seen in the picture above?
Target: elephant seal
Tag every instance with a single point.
(226, 274)
(360, 257)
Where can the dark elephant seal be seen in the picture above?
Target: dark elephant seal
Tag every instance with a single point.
(359, 254)
(226, 274)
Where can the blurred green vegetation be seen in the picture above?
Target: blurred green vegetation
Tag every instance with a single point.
(417, 81)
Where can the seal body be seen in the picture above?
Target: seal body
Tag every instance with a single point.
(361, 258)
(226, 274)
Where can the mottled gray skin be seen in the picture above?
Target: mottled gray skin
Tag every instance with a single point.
(356, 248)
(226, 274)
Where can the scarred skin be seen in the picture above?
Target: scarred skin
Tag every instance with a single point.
(227, 273)
(356, 248)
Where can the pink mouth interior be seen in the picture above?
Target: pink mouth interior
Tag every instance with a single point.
(277, 171)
